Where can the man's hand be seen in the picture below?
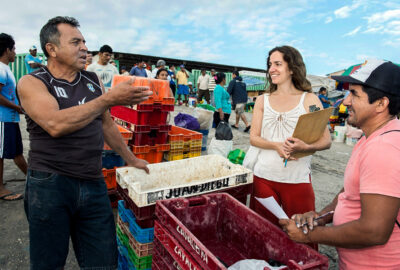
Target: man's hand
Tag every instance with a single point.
(293, 145)
(308, 219)
(294, 233)
(140, 164)
(126, 94)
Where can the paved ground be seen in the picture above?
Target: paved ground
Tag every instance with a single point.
(327, 174)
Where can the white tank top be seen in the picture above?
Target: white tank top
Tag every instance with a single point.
(276, 127)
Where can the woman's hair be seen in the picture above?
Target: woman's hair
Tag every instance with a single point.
(296, 65)
(161, 70)
(219, 77)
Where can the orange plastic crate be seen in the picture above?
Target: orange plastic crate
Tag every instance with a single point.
(160, 88)
(178, 132)
(126, 135)
(109, 178)
(152, 154)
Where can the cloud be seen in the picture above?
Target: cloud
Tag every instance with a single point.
(345, 11)
(385, 23)
(353, 32)
(328, 20)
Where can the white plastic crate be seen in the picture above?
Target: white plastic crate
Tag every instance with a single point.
(182, 178)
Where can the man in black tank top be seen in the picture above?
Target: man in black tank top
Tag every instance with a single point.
(68, 121)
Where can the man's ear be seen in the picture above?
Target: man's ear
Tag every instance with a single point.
(51, 49)
(382, 104)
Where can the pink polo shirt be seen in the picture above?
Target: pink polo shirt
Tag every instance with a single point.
(374, 168)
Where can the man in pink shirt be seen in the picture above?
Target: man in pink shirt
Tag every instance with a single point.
(366, 228)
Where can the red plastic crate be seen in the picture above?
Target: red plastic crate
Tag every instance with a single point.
(174, 253)
(149, 116)
(216, 228)
(156, 135)
(145, 215)
(160, 88)
(109, 178)
(162, 259)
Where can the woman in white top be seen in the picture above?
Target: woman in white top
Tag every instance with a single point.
(274, 119)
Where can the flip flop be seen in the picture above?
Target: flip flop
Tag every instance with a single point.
(247, 129)
(235, 127)
(4, 198)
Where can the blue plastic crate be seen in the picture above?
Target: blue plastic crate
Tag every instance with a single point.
(111, 159)
(125, 263)
(143, 236)
(204, 139)
(121, 211)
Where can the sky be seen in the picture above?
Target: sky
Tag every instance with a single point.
(331, 35)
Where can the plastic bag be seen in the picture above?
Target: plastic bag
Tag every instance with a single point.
(236, 156)
(220, 147)
(251, 157)
(205, 117)
(186, 121)
(252, 264)
(223, 131)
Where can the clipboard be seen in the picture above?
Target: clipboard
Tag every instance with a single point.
(310, 128)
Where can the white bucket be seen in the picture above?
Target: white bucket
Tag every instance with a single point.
(339, 134)
(351, 141)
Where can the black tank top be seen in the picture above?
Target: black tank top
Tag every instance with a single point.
(77, 154)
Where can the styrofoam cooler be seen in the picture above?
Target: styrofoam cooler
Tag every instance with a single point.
(182, 178)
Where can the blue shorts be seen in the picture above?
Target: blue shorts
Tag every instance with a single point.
(10, 140)
(183, 89)
(59, 207)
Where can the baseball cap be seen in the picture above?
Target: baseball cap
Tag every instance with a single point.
(182, 66)
(160, 63)
(380, 74)
(190, 83)
(32, 48)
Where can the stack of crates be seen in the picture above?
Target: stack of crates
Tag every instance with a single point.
(147, 120)
(184, 143)
(185, 239)
(148, 123)
(110, 161)
(135, 245)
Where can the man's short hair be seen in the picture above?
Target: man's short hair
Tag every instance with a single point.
(106, 48)
(236, 73)
(203, 69)
(375, 94)
(50, 34)
(6, 41)
(160, 63)
(322, 89)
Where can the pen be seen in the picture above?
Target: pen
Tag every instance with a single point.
(285, 162)
(321, 216)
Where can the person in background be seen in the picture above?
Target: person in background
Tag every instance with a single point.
(162, 74)
(237, 89)
(182, 81)
(202, 85)
(366, 218)
(32, 62)
(171, 73)
(89, 59)
(139, 70)
(147, 69)
(326, 103)
(68, 120)
(124, 72)
(192, 90)
(275, 117)
(160, 64)
(103, 68)
(222, 100)
(211, 86)
(10, 134)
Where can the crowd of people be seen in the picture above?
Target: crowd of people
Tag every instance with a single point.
(66, 104)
